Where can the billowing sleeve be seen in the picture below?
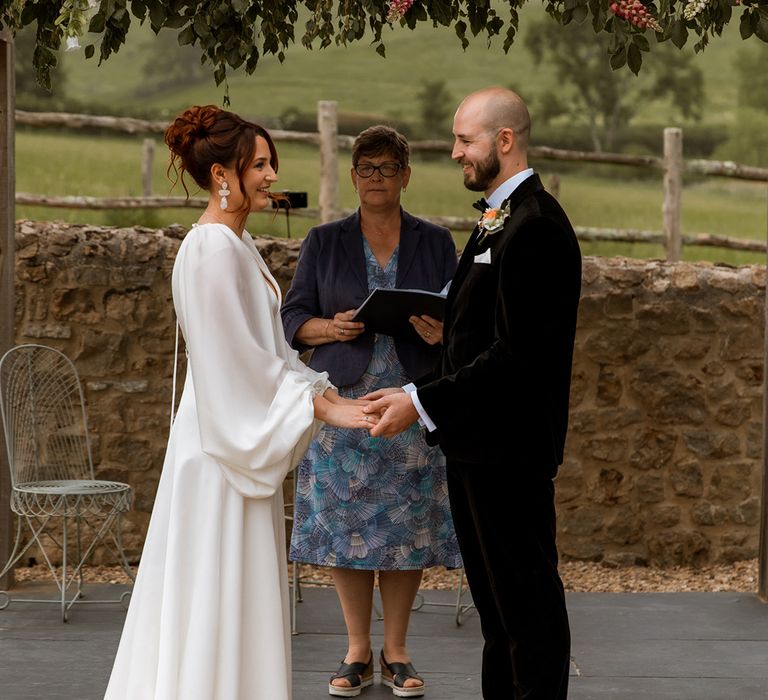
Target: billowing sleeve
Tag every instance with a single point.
(254, 403)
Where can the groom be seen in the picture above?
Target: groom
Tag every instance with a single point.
(498, 402)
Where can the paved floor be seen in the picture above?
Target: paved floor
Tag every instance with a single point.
(686, 646)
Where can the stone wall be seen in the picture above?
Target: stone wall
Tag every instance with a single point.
(663, 457)
(103, 297)
(663, 460)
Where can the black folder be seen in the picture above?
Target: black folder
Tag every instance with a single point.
(387, 311)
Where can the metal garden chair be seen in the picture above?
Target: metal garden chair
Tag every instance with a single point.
(53, 487)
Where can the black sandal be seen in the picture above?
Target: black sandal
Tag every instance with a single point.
(359, 674)
(395, 675)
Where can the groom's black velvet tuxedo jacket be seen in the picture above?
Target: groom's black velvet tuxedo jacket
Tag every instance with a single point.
(500, 393)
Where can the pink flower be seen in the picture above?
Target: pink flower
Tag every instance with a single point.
(398, 8)
(635, 13)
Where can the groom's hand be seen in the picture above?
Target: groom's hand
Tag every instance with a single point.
(397, 414)
(372, 396)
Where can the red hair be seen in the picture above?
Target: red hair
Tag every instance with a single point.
(202, 136)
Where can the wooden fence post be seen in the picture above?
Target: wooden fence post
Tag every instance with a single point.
(673, 191)
(147, 165)
(328, 126)
(7, 266)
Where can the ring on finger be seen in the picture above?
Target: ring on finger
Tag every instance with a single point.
(341, 331)
(428, 334)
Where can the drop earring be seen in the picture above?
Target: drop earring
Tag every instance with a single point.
(223, 193)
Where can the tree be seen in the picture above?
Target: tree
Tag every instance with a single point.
(588, 89)
(752, 77)
(235, 33)
(167, 64)
(436, 105)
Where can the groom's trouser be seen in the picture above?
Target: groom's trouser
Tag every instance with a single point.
(505, 525)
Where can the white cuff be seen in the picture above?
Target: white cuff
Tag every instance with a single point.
(424, 420)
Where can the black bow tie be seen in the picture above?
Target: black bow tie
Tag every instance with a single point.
(481, 205)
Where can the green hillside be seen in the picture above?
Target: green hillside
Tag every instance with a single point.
(356, 77)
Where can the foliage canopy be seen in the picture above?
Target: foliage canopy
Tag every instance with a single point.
(233, 34)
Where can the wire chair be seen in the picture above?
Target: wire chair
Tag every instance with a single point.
(52, 477)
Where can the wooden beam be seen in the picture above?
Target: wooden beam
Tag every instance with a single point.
(7, 266)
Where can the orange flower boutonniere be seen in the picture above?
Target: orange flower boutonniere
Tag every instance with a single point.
(491, 221)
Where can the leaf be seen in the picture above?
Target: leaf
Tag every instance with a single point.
(642, 42)
(139, 9)
(678, 32)
(89, 50)
(157, 14)
(381, 50)
(761, 30)
(580, 13)
(746, 26)
(202, 28)
(97, 23)
(175, 21)
(634, 58)
(619, 58)
(187, 36)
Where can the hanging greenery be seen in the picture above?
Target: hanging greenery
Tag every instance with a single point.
(234, 34)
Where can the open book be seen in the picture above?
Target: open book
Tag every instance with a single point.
(387, 311)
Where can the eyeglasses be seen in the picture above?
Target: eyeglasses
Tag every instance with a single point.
(386, 169)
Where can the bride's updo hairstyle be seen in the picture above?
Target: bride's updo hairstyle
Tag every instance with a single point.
(202, 136)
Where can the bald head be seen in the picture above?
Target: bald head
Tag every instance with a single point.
(491, 129)
(497, 108)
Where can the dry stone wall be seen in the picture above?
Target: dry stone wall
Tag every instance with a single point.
(663, 455)
(664, 451)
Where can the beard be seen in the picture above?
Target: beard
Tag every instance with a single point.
(485, 173)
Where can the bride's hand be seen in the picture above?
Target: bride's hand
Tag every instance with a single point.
(350, 415)
(334, 397)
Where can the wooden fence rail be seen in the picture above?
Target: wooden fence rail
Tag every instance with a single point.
(672, 165)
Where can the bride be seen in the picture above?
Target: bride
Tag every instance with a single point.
(208, 618)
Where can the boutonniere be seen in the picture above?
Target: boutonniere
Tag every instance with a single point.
(491, 221)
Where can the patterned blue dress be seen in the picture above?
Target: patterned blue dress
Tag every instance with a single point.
(374, 503)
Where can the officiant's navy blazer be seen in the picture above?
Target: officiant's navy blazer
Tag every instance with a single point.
(331, 277)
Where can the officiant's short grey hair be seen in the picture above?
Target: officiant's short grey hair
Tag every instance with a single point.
(380, 140)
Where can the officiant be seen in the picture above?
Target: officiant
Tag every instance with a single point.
(364, 504)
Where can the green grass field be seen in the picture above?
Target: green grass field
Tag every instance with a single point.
(65, 164)
(364, 83)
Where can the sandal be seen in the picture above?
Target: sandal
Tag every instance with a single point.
(396, 674)
(359, 674)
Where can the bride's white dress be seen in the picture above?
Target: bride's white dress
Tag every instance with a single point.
(208, 618)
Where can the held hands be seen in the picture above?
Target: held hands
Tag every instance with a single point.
(342, 328)
(395, 411)
(343, 413)
(429, 329)
(351, 415)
